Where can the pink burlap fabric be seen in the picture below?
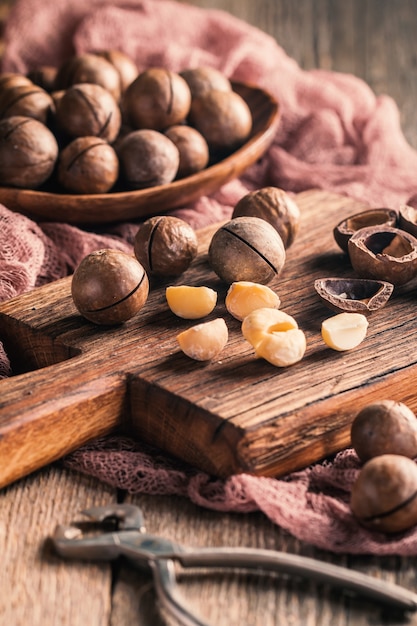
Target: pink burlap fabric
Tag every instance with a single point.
(334, 134)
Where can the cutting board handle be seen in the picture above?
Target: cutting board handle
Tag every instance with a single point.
(49, 412)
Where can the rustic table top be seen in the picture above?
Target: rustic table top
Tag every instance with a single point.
(375, 40)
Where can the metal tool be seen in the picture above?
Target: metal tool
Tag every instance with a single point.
(128, 538)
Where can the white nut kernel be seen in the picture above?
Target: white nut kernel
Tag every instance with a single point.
(275, 336)
(344, 331)
(204, 341)
(244, 296)
(191, 302)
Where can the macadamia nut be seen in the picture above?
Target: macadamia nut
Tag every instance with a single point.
(191, 302)
(205, 341)
(344, 331)
(246, 248)
(384, 427)
(109, 287)
(275, 336)
(165, 245)
(383, 497)
(245, 296)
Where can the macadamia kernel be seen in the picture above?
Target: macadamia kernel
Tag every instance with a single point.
(191, 302)
(344, 331)
(204, 341)
(244, 296)
(275, 336)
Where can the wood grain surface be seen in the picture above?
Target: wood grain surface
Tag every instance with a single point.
(375, 40)
(236, 413)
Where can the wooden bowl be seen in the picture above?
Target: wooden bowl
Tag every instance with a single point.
(120, 206)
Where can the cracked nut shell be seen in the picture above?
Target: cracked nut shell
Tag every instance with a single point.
(28, 152)
(109, 287)
(384, 496)
(89, 68)
(408, 219)
(26, 100)
(275, 206)
(371, 217)
(88, 110)
(384, 253)
(88, 165)
(246, 249)
(156, 99)
(353, 295)
(384, 427)
(165, 245)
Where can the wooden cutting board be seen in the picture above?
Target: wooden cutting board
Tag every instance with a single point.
(75, 381)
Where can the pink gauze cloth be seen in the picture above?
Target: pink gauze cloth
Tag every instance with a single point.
(334, 134)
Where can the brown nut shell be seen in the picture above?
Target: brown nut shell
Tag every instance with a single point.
(165, 245)
(88, 165)
(192, 147)
(123, 63)
(203, 79)
(109, 287)
(384, 496)
(276, 207)
(353, 295)
(28, 152)
(28, 101)
(371, 217)
(384, 427)
(44, 76)
(223, 118)
(13, 79)
(408, 219)
(88, 110)
(147, 158)
(156, 99)
(89, 68)
(384, 253)
(246, 249)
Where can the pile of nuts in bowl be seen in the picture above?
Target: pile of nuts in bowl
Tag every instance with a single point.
(95, 124)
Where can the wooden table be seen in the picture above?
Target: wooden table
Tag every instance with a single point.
(374, 39)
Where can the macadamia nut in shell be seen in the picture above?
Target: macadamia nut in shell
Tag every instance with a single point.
(384, 496)
(28, 152)
(246, 249)
(156, 99)
(88, 109)
(147, 159)
(223, 118)
(276, 207)
(384, 427)
(165, 245)
(88, 165)
(109, 287)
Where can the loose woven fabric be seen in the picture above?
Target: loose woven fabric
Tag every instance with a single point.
(334, 134)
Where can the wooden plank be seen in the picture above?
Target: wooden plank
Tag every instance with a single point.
(38, 587)
(237, 413)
